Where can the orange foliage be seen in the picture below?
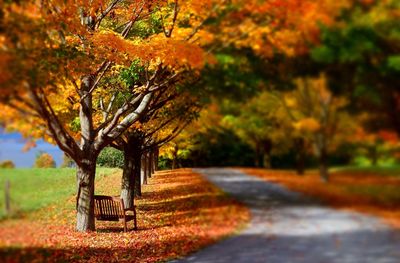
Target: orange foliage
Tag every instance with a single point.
(359, 191)
(288, 26)
(44, 160)
(179, 213)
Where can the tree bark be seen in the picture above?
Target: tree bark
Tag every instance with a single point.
(300, 152)
(85, 198)
(137, 174)
(258, 156)
(144, 168)
(373, 153)
(322, 154)
(267, 148)
(128, 177)
(323, 167)
(175, 157)
(86, 171)
(156, 158)
(151, 162)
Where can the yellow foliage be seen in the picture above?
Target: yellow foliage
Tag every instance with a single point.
(307, 124)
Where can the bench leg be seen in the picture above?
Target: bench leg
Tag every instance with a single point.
(125, 226)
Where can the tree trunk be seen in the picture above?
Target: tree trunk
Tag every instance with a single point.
(137, 173)
(86, 170)
(175, 157)
(300, 152)
(258, 156)
(131, 181)
(323, 165)
(128, 178)
(267, 148)
(156, 158)
(322, 154)
(85, 198)
(373, 153)
(151, 163)
(145, 170)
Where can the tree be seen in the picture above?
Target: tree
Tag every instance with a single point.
(66, 64)
(44, 160)
(270, 27)
(162, 123)
(319, 116)
(261, 124)
(361, 57)
(7, 164)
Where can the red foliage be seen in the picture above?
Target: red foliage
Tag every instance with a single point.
(388, 136)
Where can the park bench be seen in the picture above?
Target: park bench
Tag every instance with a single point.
(112, 208)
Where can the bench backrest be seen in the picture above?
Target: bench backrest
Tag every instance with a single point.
(108, 208)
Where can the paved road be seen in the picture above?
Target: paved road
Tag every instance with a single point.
(287, 228)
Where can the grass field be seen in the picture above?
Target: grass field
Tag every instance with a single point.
(35, 188)
(373, 190)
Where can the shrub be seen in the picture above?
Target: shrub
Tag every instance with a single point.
(111, 157)
(7, 164)
(44, 160)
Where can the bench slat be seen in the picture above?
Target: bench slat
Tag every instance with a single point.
(108, 208)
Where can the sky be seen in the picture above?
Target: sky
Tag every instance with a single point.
(11, 145)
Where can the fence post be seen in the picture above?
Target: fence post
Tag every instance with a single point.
(7, 197)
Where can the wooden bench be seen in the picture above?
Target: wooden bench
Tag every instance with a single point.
(112, 208)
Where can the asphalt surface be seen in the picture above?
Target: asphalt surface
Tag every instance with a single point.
(286, 227)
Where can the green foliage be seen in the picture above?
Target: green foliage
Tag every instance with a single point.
(323, 54)
(36, 188)
(347, 45)
(146, 28)
(233, 77)
(219, 148)
(164, 163)
(111, 157)
(132, 75)
(361, 56)
(75, 124)
(7, 164)
(393, 62)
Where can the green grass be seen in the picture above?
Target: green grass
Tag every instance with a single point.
(35, 188)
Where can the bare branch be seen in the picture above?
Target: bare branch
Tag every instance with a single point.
(129, 26)
(165, 83)
(102, 71)
(115, 129)
(106, 12)
(63, 139)
(168, 32)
